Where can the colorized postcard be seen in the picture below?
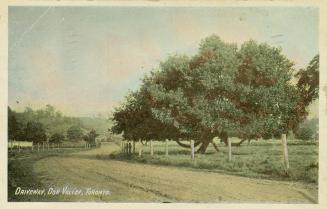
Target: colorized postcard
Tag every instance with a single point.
(163, 103)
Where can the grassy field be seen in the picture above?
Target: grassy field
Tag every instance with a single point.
(258, 160)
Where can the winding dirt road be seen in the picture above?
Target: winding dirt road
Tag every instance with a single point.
(131, 182)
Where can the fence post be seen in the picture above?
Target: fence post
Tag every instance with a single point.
(285, 152)
(38, 147)
(18, 146)
(122, 146)
(166, 147)
(229, 149)
(48, 145)
(43, 146)
(192, 149)
(133, 146)
(151, 148)
(58, 146)
(32, 147)
(140, 148)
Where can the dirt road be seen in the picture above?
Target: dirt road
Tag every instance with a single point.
(148, 183)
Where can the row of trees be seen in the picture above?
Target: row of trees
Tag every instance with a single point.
(46, 125)
(248, 92)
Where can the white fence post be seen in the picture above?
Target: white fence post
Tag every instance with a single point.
(122, 146)
(140, 148)
(192, 149)
(38, 147)
(32, 147)
(166, 147)
(229, 149)
(151, 148)
(12, 146)
(285, 152)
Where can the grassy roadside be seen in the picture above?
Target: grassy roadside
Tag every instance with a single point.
(21, 174)
(258, 160)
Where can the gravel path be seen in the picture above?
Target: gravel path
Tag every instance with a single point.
(131, 182)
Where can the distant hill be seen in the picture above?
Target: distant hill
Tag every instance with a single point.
(101, 125)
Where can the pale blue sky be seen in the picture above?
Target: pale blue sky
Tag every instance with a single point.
(83, 60)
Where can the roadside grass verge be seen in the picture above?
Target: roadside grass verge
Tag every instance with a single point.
(257, 160)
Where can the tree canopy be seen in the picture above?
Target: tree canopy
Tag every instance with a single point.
(57, 138)
(75, 133)
(223, 91)
(35, 132)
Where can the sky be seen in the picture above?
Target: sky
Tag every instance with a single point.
(84, 60)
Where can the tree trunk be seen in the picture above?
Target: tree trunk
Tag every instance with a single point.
(215, 146)
(187, 145)
(203, 147)
(239, 143)
(166, 147)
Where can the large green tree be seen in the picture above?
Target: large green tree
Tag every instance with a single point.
(222, 91)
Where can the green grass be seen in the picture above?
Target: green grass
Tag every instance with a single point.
(21, 174)
(258, 160)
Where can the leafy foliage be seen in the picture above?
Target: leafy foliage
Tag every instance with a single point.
(15, 128)
(75, 133)
(308, 130)
(57, 138)
(53, 122)
(35, 132)
(222, 91)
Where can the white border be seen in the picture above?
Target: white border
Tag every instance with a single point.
(4, 99)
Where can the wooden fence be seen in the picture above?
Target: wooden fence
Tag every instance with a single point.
(18, 146)
(129, 147)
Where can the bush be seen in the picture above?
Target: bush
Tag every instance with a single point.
(305, 133)
(308, 129)
(57, 138)
(74, 133)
